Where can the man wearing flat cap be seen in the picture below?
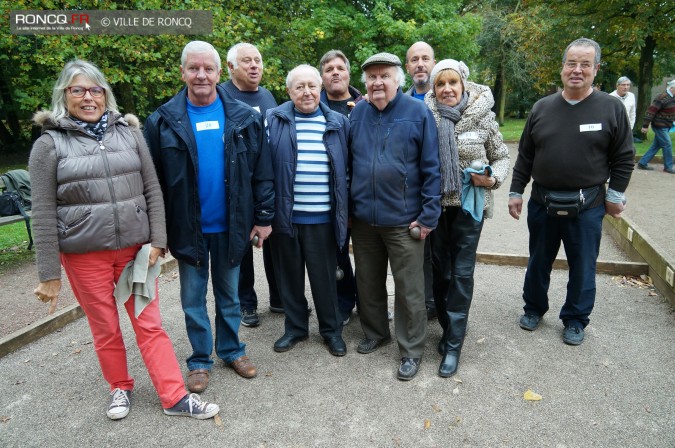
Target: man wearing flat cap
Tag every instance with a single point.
(395, 188)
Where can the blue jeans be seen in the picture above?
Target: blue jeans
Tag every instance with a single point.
(581, 237)
(661, 140)
(193, 286)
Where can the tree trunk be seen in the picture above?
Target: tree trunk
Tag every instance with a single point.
(502, 99)
(645, 80)
(497, 90)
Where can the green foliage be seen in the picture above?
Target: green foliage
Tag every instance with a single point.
(144, 70)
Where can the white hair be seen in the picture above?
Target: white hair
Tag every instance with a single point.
(233, 52)
(292, 73)
(199, 46)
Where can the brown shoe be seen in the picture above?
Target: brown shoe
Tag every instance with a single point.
(198, 379)
(244, 367)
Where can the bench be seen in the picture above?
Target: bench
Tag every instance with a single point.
(6, 220)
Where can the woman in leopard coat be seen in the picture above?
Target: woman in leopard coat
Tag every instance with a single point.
(467, 133)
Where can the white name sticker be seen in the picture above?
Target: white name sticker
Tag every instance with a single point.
(468, 136)
(590, 127)
(257, 108)
(207, 125)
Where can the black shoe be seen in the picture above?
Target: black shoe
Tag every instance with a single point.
(336, 346)
(408, 368)
(669, 170)
(370, 345)
(448, 365)
(431, 313)
(250, 318)
(573, 335)
(644, 167)
(287, 342)
(529, 322)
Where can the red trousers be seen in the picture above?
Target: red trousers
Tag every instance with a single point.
(92, 277)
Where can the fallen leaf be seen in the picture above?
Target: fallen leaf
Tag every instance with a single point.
(77, 351)
(458, 380)
(427, 424)
(652, 294)
(456, 422)
(218, 421)
(648, 409)
(455, 391)
(480, 341)
(268, 374)
(5, 418)
(531, 396)
(19, 382)
(55, 354)
(605, 363)
(27, 360)
(436, 408)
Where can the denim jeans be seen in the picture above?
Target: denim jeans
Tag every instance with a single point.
(581, 237)
(661, 140)
(193, 287)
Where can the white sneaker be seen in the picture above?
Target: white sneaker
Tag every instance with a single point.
(192, 406)
(119, 404)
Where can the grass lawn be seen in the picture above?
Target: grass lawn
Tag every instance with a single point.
(513, 128)
(14, 247)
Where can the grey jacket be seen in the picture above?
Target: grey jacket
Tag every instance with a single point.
(93, 196)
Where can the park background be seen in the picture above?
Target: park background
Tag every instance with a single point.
(513, 46)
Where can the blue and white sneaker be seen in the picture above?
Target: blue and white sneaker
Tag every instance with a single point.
(119, 404)
(192, 405)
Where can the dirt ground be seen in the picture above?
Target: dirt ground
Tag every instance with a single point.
(18, 305)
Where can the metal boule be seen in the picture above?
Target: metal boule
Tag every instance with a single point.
(254, 241)
(416, 233)
(339, 274)
(477, 165)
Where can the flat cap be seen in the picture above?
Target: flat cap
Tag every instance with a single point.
(381, 59)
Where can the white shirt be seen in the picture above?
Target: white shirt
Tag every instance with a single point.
(629, 104)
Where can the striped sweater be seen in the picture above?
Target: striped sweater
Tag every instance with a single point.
(311, 189)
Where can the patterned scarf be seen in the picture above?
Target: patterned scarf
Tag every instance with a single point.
(451, 180)
(96, 130)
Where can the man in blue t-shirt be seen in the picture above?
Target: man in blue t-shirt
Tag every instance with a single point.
(214, 166)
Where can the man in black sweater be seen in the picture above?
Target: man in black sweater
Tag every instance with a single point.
(245, 67)
(573, 141)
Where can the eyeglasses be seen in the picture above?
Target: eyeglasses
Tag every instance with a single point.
(79, 92)
(574, 65)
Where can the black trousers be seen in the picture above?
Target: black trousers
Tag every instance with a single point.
(348, 295)
(248, 299)
(454, 244)
(313, 248)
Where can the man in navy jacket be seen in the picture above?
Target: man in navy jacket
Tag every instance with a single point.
(213, 164)
(395, 188)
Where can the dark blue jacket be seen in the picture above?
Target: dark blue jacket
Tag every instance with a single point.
(395, 171)
(284, 149)
(250, 179)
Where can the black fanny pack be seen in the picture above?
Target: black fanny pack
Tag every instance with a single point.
(568, 204)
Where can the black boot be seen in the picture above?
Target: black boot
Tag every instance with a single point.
(454, 340)
(457, 313)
